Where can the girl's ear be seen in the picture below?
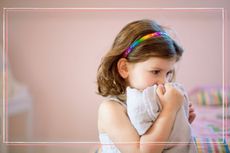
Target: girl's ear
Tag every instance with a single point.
(123, 68)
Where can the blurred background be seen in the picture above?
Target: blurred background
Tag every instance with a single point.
(53, 55)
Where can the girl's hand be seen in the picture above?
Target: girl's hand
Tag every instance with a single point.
(170, 97)
(192, 114)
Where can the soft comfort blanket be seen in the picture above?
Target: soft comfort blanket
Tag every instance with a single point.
(143, 108)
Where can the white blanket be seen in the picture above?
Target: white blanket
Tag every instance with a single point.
(143, 109)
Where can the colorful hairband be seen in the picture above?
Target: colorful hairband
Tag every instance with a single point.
(137, 42)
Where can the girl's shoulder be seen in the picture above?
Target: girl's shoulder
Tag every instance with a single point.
(110, 107)
(109, 112)
(113, 102)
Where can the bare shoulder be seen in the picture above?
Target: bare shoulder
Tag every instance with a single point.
(109, 112)
(114, 121)
(110, 106)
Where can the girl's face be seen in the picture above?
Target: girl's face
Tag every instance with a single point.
(155, 70)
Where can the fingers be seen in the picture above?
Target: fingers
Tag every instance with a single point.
(191, 109)
(192, 114)
(168, 85)
(160, 90)
(192, 117)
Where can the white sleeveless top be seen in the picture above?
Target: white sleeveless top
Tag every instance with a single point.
(107, 145)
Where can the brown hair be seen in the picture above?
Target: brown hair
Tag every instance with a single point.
(109, 81)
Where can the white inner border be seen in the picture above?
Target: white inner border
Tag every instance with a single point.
(96, 142)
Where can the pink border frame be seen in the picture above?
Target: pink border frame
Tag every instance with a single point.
(5, 65)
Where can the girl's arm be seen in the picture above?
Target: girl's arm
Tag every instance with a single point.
(158, 133)
(114, 121)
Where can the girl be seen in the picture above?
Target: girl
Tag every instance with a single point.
(141, 56)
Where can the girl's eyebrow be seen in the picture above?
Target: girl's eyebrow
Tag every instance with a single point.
(157, 68)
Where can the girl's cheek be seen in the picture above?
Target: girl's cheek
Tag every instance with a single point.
(148, 83)
(151, 81)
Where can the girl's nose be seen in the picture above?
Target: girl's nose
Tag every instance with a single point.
(162, 80)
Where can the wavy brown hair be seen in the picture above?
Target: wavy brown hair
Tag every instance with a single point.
(109, 81)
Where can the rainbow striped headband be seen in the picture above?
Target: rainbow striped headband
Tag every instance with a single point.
(137, 42)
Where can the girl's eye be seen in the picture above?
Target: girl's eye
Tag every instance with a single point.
(155, 72)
